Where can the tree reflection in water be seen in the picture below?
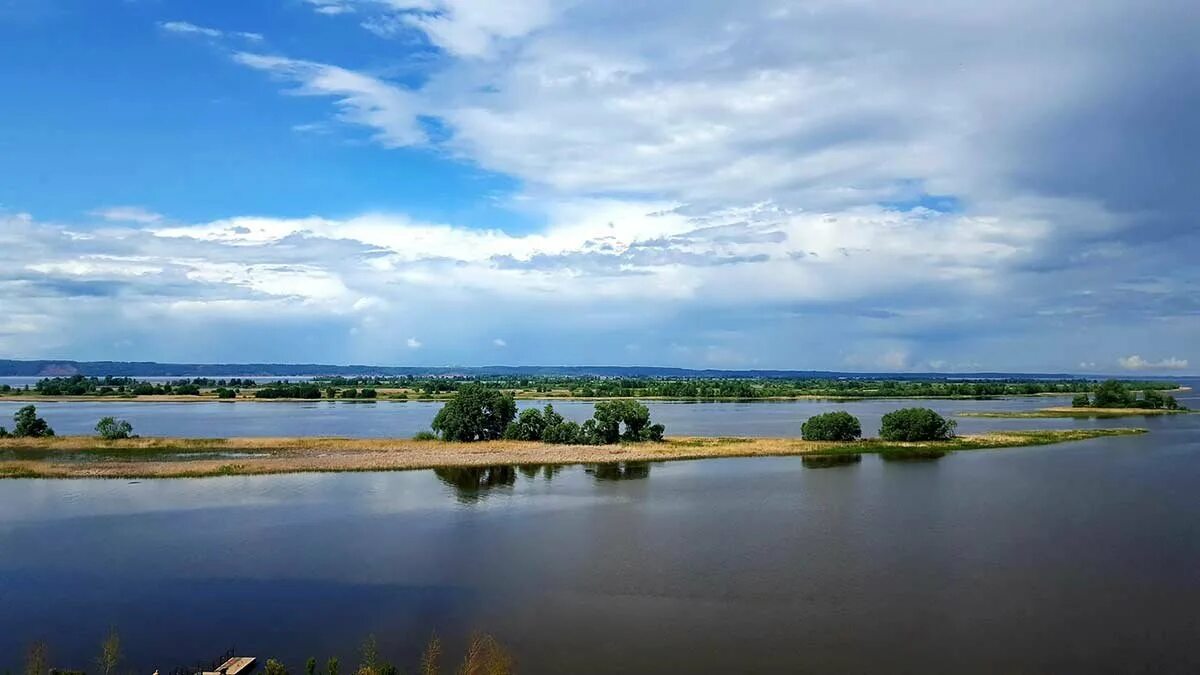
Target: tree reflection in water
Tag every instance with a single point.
(619, 470)
(472, 483)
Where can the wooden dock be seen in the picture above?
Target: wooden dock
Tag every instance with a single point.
(236, 665)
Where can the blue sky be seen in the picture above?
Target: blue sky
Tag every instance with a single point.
(833, 185)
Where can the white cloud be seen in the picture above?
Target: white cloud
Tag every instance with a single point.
(361, 99)
(499, 342)
(1136, 362)
(127, 214)
(186, 28)
(413, 343)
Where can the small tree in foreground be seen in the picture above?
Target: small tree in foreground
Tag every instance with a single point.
(29, 425)
(916, 424)
(111, 429)
(831, 426)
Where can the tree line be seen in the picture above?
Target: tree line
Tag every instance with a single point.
(1117, 394)
(478, 413)
(906, 424)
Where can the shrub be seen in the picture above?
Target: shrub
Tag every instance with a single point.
(226, 393)
(425, 436)
(368, 393)
(1081, 401)
(1152, 399)
(111, 429)
(475, 413)
(29, 425)
(832, 426)
(916, 424)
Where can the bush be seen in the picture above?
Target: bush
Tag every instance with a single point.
(610, 417)
(1152, 399)
(111, 429)
(1081, 401)
(29, 425)
(425, 436)
(529, 426)
(368, 393)
(916, 424)
(475, 413)
(226, 393)
(832, 426)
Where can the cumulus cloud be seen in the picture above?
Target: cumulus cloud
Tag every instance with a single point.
(1136, 362)
(413, 343)
(499, 342)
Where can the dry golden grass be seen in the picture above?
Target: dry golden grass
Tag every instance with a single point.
(85, 457)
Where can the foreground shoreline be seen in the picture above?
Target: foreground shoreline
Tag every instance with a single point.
(86, 457)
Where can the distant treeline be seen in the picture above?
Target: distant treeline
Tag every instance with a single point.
(78, 385)
(748, 388)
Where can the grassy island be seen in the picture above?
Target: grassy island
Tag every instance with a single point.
(89, 457)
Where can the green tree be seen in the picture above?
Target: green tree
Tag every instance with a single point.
(916, 424)
(528, 426)
(563, 432)
(310, 666)
(274, 667)
(29, 425)
(111, 429)
(331, 666)
(1152, 398)
(831, 426)
(1113, 394)
(475, 413)
(110, 653)
(1081, 401)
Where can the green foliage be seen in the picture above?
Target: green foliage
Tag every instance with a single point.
(287, 390)
(1081, 401)
(1152, 399)
(831, 426)
(331, 666)
(529, 426)
(28, 425)
(110, 653)
(368, 393)
(563, 432)
(223, 392)
(3, 432)
(916, 424)
(475, 413)
(425, 436)
(274, 667)
(621, 420)
(111, 429)
(310, 666)
(1113, 394)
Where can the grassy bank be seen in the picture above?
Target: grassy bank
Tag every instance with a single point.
(85, 457)
(1076, 413)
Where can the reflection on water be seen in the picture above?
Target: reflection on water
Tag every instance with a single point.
(619, 470)
(472, 483)
(827, 461)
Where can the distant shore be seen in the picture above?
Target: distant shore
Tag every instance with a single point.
(86, 457)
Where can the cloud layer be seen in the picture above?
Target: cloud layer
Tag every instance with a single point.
(926, 185)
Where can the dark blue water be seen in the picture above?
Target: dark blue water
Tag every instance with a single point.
(1072, 558)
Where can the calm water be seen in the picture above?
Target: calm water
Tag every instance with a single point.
(1072, 558)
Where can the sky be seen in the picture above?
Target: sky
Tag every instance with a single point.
(852, 185)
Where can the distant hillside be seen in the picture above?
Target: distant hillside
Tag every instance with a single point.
(48, 368)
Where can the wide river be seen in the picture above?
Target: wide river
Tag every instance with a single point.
(1082, 557)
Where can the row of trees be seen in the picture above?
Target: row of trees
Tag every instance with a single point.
(906, 424)
(477, 413)
(78, 385)
(1116, 394)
